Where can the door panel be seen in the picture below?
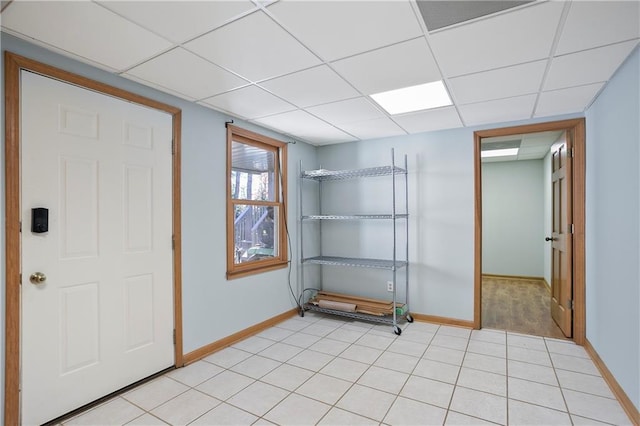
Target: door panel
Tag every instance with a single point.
(103, 318)
(561, 277)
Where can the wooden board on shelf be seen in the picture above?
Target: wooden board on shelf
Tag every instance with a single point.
(362, 304)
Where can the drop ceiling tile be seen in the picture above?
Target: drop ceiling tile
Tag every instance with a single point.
(501, 110)
(543, 139)
(511, 38)
(565, 101)
(349, 111)
(310, 87)
(532, 151)
(589, 66)
(538, 156)
(425, 121)
(195, 17)
(157, 86)
(249, 102)
(597, 23)
(230, 115)
(496, 84)
(100, 35)
(336, 29)
(373, 129)
(184, 72)
(306, 127)
(254, 47)
(404, 64)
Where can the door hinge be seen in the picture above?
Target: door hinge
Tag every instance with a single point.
(20, 227)
(20, 279)
(572, 152)
(571, 304)
(570, 228)
(173, 146)
(173, 242)
(174, 336)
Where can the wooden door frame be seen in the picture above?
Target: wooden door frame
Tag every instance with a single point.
(577, 128)
(13, 65)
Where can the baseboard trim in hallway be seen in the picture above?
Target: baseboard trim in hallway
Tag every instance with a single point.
(442, 320)
(512, 277)
(620, 394)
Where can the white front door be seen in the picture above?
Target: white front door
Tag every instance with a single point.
(103, 317)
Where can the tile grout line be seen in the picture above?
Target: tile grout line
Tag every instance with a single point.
(332, 406)
(455, 385)
(259, 417)
(350, 344)
(555, 373)
(254, 380)
(409, 376)
(372, 331)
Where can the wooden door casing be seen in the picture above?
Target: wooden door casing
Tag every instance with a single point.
(13, 65)
(577, 129)
(102, 166)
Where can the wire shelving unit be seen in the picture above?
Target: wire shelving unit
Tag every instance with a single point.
(393, 264)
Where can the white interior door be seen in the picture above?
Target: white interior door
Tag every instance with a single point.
(103, 317)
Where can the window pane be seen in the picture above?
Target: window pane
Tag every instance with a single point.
(255, 233)
(252, 173)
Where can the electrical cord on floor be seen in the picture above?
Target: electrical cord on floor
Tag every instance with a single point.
(302, 294)
(286, 230)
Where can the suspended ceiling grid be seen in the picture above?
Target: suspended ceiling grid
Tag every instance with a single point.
(307, 68)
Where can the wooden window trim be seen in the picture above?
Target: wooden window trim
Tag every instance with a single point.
(248, 137)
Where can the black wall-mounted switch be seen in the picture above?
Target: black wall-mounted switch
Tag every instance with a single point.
(39, 220)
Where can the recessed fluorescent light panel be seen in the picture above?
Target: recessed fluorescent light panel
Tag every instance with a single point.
(414, 98)
(499, 152)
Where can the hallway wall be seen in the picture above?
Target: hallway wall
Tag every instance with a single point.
(513, 218)
(613, 226)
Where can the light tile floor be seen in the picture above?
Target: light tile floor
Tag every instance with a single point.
(333, 371)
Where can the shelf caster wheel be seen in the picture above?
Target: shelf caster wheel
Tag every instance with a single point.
(409, 318)
(397, 330)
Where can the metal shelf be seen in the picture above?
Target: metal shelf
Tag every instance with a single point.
(386, 319)
(323, 174)
(356, 262)
(353, 217)
(392, 265)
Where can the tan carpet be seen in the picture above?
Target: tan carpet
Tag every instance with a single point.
(518, 305)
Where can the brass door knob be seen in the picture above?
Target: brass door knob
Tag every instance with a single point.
(37, 278)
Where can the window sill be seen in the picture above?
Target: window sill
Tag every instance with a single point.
(256, 270)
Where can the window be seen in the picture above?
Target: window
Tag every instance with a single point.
(256, 190)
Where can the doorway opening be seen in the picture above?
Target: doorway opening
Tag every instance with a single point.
(517, 286)
(516, 216)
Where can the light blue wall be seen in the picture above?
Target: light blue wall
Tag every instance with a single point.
(441, 206)
(513, 218)
(613, 226)
(441, 224)
(213, 307)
